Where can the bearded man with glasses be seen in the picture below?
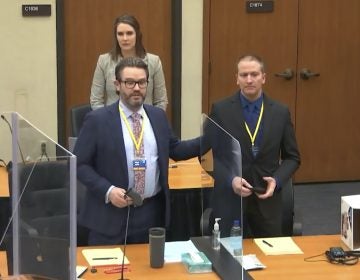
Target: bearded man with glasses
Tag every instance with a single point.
(123, 146)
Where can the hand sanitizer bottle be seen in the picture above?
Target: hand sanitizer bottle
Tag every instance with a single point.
(216, 235)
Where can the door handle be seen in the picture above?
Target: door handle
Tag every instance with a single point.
(287, 74)
(306, 74)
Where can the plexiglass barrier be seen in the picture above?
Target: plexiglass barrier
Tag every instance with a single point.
(221, 160)
(40, 238)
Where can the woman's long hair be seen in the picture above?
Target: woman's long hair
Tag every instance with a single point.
(139, 48)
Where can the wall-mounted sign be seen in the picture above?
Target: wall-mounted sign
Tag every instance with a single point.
(259, 6)
(36, 10)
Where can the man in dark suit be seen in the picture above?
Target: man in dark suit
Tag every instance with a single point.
(269, 151)
(108, 157)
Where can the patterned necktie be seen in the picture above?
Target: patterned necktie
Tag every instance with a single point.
(139, 174)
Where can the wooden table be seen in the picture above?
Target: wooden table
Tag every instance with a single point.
(277, 267)
(294, 267)
(4, 200)
(3, 264)
(188, 174)
(4, 184)
(182, 175)
(138, 256)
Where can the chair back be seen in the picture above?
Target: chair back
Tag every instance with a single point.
(45, 203)
(78, 114)
(287, 193)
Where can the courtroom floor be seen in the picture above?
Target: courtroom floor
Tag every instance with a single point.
(317, 206)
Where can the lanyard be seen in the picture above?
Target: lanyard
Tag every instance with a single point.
(253, 136)
(137, 143)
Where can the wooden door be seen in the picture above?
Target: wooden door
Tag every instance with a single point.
(327, 110)
(88, 32)
(233, 32)
(320, 35)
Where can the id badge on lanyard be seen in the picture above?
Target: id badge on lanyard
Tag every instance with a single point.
(255, 149)
(139, 164)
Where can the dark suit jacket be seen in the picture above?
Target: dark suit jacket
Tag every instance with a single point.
(101, 161)
(278, 154)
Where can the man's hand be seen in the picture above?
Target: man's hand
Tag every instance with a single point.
(118, 198)
(241, 187)
(270, 188)
(244, 189)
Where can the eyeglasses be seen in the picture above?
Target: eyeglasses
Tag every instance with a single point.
(131, 84)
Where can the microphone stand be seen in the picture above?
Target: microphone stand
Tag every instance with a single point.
(43, 152)
(124, 247)
(137, 201)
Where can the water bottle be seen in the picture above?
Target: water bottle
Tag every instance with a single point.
(236, 238)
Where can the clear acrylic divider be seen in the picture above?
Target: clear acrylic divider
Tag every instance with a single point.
(40, 239)
(221, 162)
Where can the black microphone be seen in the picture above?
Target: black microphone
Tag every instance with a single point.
(43, 152)
(136, 197)
(137, 201)
(17, 141)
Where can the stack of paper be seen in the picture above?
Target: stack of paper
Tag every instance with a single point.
(174, 250)
(248, 262)
(104, 257)
(278, 246)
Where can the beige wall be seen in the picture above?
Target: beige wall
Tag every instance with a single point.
(191, 77)
(28, 81)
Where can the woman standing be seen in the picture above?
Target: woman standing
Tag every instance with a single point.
(127, 43)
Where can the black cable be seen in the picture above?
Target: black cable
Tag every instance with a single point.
(348, 258)
(309, 259)
(345, 260)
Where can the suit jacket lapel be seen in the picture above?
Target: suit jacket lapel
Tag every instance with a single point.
(118, 137)
(155, 127)
(238, 129)
(267, 118)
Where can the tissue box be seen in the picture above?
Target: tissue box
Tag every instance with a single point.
(196, 262)
(350, 221)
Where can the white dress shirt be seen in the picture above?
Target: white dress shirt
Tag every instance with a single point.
(152, 171)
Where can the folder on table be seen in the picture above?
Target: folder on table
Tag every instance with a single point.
(104, 257)
(278, 246)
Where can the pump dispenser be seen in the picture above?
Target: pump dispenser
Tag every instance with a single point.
(216, 235)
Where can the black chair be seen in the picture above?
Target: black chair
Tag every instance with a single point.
(289, 226)
(78, 114)
(44, 205)
(44, 209)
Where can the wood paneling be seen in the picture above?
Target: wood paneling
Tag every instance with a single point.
(327, 118)
(88, 27)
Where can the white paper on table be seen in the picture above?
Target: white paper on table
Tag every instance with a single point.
(173, 250)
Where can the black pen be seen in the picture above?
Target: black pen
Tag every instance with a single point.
(105, 258)
(267, 243)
